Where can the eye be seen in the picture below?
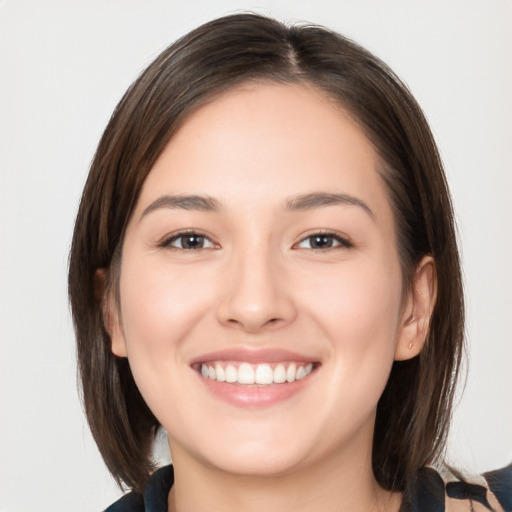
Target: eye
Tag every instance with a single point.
(189, 241)
(324, 241)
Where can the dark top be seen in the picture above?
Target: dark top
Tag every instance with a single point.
(434, 491)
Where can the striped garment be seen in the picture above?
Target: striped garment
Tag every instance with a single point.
(434, 491)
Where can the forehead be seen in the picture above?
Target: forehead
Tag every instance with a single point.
(260, 141)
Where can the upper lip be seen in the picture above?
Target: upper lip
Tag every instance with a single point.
(254, 356)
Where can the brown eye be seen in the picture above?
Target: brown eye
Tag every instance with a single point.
(323, 241)
(189, 242)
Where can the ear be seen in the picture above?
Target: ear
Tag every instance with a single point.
(418, 307)
(109, 310)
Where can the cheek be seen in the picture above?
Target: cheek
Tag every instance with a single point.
(161, 310)
(358, 309)
(160, 307)
(359, 298)
(360, 319)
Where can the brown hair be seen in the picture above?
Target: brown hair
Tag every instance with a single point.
(414, 411)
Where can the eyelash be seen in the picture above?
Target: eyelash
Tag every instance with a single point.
(167, 243)
(334, 239)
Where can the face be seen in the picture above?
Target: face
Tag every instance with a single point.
(260, 290)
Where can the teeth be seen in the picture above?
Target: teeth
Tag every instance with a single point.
(260, 374)
(291, 373)
(280, 374)
(264, 374)
(221, 375)
(245, 374)
(231, 373)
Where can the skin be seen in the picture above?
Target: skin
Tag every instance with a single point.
(258, 282)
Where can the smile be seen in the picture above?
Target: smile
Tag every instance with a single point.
(253, 378)
(255, 374)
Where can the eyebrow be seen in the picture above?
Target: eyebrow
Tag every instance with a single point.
(182, 202)
(320, 199)
(298, 203)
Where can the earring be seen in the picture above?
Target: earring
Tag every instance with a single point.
(411, 345)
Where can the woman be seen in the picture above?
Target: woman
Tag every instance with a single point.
(264, 263)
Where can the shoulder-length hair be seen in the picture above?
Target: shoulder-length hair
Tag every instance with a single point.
(414, 411)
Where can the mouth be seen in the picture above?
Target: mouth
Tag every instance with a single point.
(248, 377)
(262, 374)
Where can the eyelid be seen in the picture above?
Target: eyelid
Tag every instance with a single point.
(167, 240)
(342, 239)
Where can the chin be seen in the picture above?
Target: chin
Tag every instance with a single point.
(247, 452)
(257, 464)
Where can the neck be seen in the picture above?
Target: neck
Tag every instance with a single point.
(329, 486)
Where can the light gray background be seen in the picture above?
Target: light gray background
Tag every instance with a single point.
(63, 67)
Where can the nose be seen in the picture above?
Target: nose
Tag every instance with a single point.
(257, 296)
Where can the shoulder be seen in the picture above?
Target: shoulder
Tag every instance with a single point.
(153, 498)
(448, 490)
(131, 502)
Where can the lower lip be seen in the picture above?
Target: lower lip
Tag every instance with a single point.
(242, 395)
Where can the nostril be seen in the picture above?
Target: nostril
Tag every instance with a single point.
(253, 308)
(254, 325)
